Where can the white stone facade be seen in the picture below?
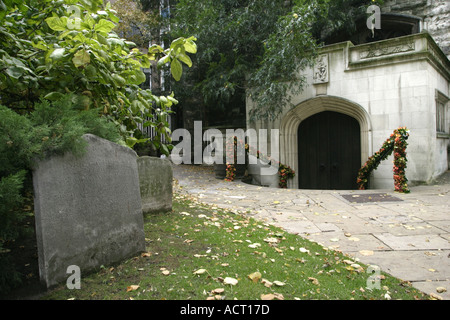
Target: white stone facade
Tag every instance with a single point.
(383, 85)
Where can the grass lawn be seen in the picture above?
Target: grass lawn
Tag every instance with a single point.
(198, 252)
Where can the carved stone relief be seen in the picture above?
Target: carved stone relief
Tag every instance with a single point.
(321, 71)
(378, 51)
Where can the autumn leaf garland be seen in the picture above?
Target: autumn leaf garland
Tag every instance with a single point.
(395, 143)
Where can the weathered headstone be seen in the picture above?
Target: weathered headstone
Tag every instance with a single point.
(155, 179)
(88, 209)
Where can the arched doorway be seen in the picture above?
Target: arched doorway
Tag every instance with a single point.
(329, 151)
(290, 123)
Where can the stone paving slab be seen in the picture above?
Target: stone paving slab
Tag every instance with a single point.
(409, 239)
(356, 242)
(414, 242)
(426, 270)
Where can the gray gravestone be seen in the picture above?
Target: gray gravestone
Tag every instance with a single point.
(88, 209)
(155, 178)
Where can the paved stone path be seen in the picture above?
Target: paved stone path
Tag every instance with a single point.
(408, 238)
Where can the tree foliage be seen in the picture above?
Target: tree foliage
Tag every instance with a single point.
(52, 47)
(259, 46)
(136, 23)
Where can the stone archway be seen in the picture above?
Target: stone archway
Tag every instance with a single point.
(291, 121)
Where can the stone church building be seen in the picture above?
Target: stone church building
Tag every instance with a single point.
(362, 88)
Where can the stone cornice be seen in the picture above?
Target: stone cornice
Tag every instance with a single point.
(420, 46)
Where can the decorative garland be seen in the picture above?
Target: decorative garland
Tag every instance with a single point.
(397, 144)
(231, 172)
(230, 152)
(284, 172)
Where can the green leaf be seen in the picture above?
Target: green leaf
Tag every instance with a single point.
(185, 58)
(102, 39)
(90, 72)
(14, 72)
(165, 150)
(104, 26)
(54, 96)
(163, 61)
(190, 46)
(131, 141)
(176, 69)
(81, 58)
(56, 23)
(89, 21)
(118, 80)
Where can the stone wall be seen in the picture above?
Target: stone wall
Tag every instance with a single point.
(435, 13)
(88, 209)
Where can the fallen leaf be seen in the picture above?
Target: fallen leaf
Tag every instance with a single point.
(254, 245)
(314, 281)
(441, 289)
(146, 254)
(200, 271)
(366, 252)
(272, 296)
(266, 283)
(166, 272)
(132, 288)
(255, 276)
(230, 281)
(435, 296)
(269, 296)
(357, 267)
(218, 291)
(271, 240)
(279, 283)
(279, 296)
